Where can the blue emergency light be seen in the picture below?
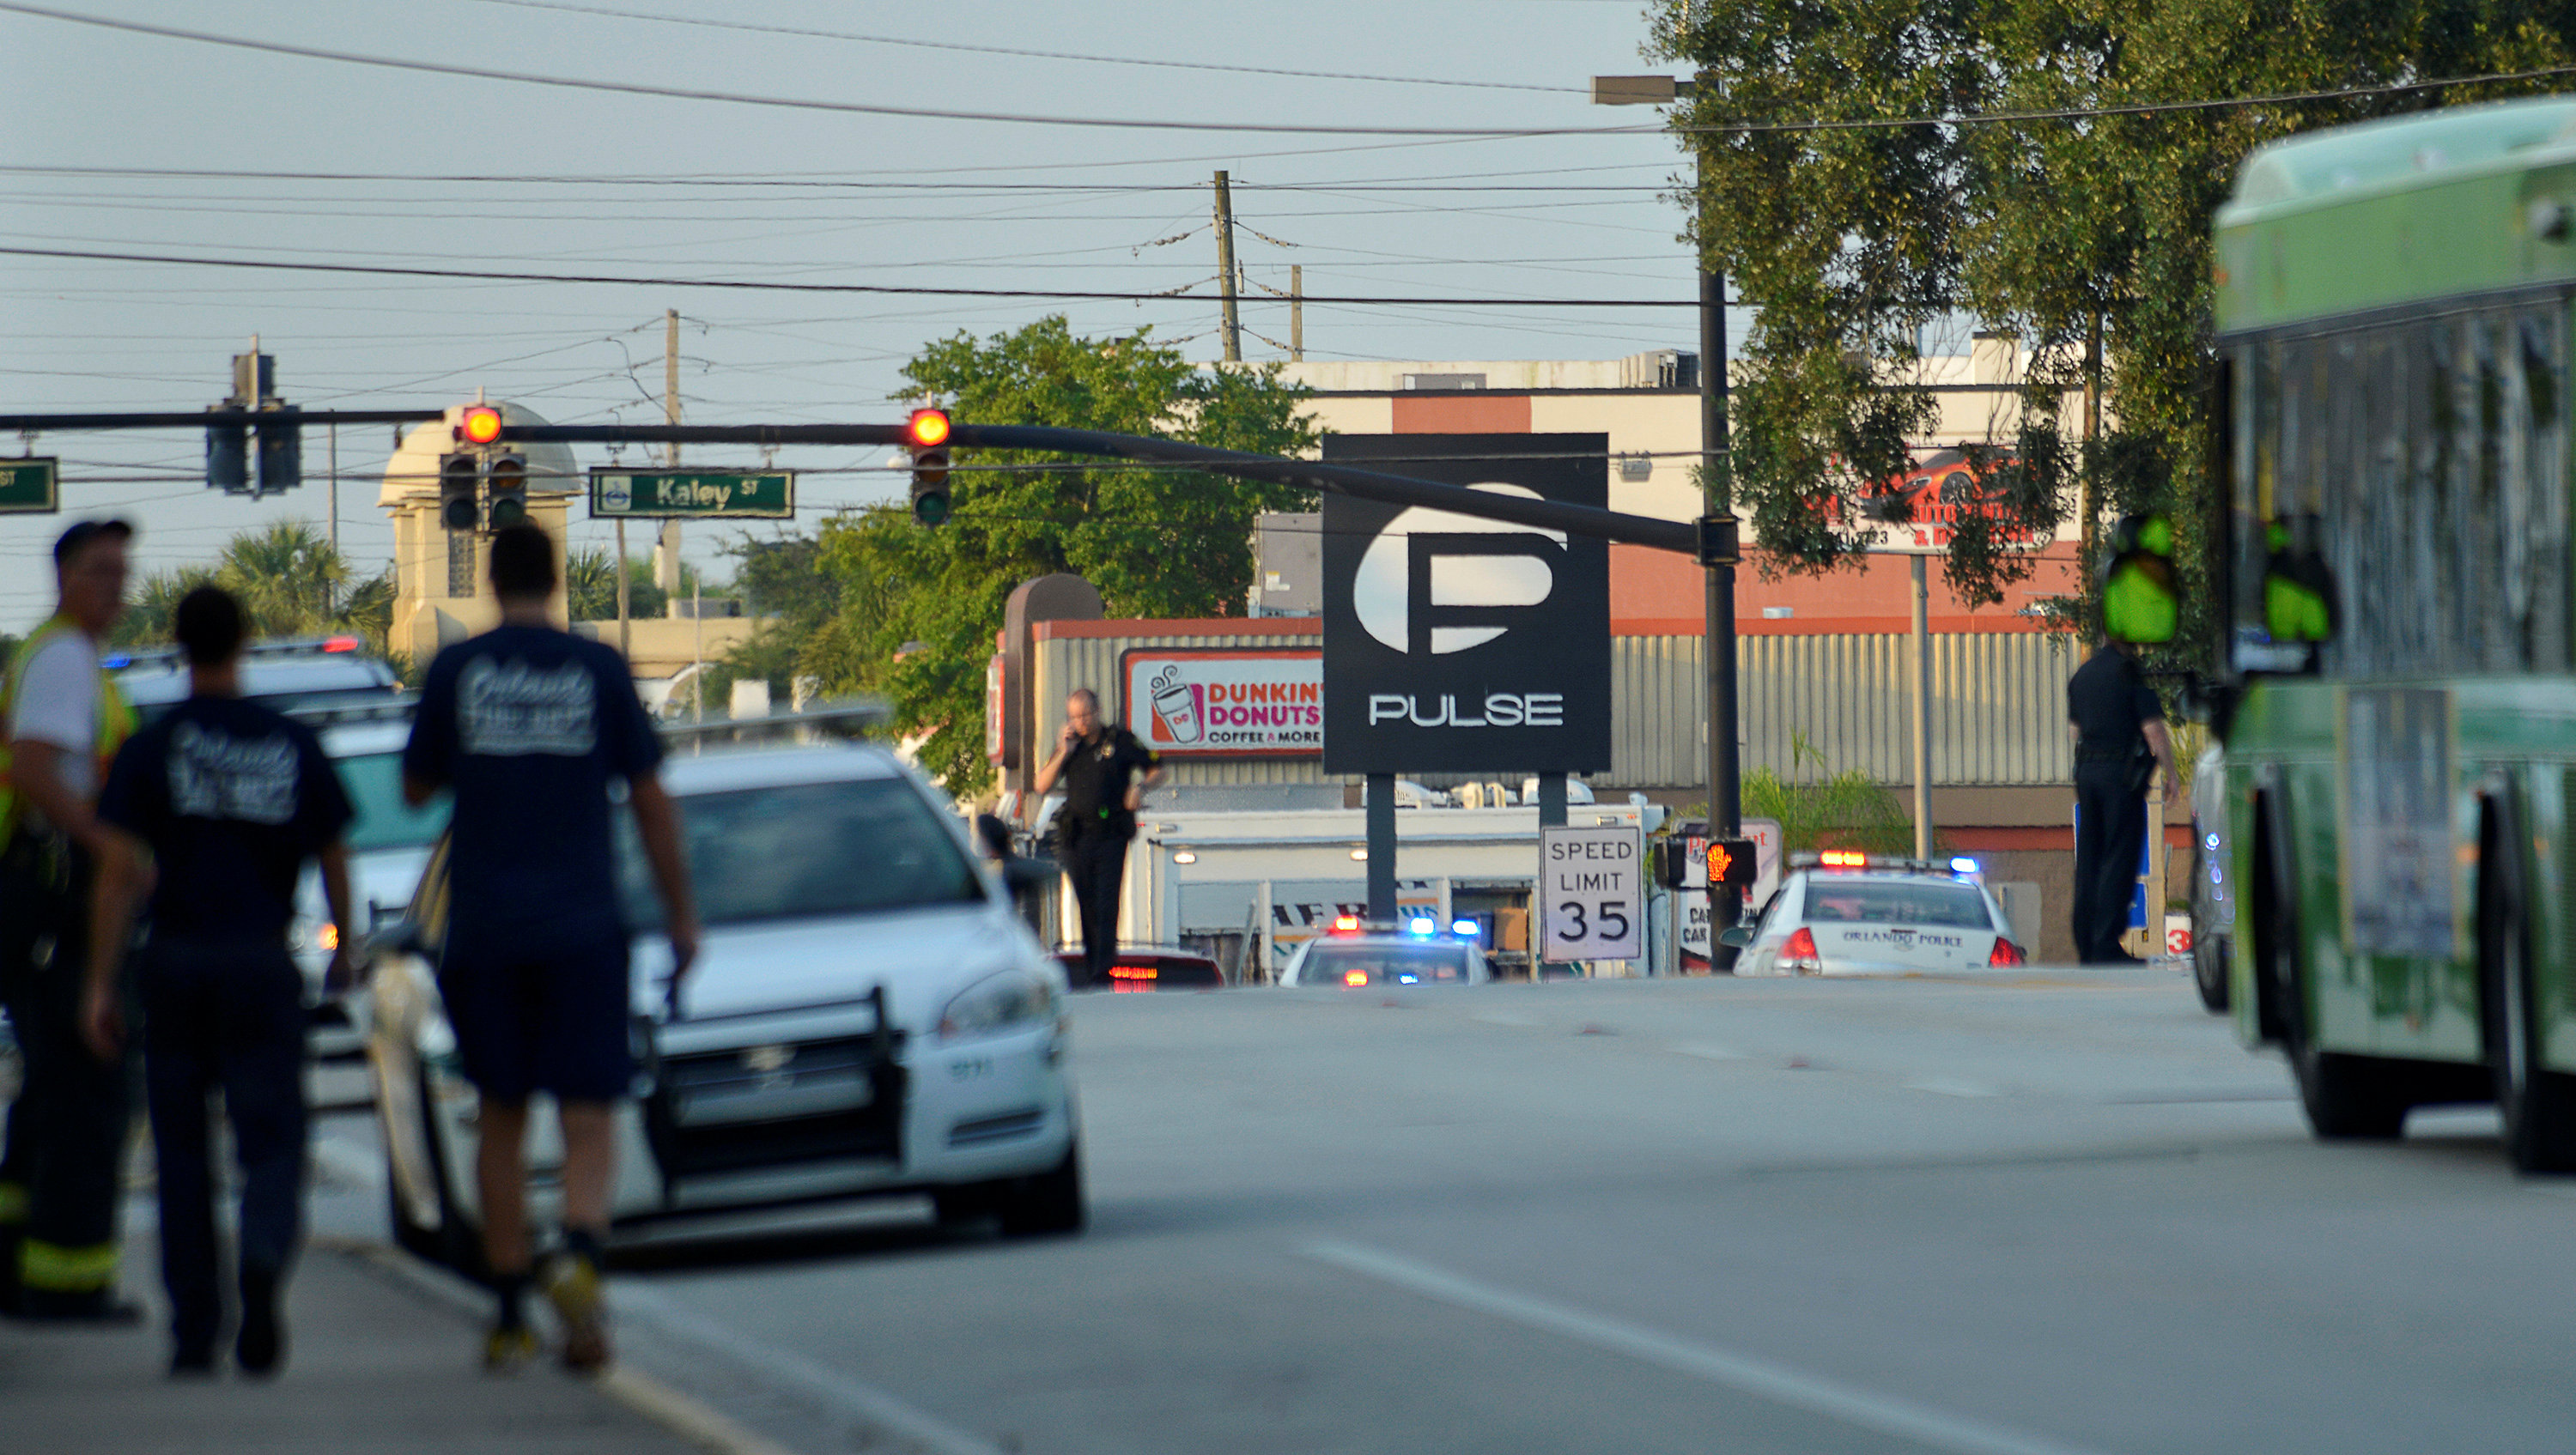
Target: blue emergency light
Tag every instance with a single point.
(1963, 865)
(1424, 926)
(1466, 927)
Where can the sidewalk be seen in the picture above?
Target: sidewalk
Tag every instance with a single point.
(378, 1364)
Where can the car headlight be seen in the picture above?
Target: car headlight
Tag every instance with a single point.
(998, 1004)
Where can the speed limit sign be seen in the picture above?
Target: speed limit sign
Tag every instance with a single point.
(1592, 893)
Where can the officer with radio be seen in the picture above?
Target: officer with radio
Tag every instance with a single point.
(1105, 772)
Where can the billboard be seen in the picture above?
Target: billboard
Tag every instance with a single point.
(1456, 644)
(1225, 702)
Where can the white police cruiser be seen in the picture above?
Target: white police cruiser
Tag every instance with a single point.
(1357, 955)
(1843, 912)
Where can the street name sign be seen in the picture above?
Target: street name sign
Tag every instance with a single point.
(30, 485)
(1592, 893)
(693, 494)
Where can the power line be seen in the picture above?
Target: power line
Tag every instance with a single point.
(793, 103)
(1003, 50)
(1447, 133)
(756, 285)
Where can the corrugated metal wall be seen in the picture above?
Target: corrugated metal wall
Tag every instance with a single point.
(1998, 706)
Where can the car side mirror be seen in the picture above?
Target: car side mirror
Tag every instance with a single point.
(1738, 936)
(1023, 872)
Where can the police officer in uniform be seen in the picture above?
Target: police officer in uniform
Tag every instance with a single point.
(1099, 765)
(66, 1136)
(2119, 728)
(229, 799)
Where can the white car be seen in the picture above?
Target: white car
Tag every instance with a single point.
(1354, 956)
(866, 1016)
(311, 672)
(389, 844)
(1841, 913)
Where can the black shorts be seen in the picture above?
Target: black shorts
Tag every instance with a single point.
(556, 1022)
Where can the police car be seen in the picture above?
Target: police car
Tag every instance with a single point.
(389, 843)
(867, 1016)
(1357, 955)
(1843, 912)
(301, 674)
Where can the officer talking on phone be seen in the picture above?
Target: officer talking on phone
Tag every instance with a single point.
(1100, 766)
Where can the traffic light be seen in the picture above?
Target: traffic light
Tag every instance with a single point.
(505, 491)
(2140, 599)
(227, 458)
(926, 435)
(281, 450)
(457, 477)
(479, 425)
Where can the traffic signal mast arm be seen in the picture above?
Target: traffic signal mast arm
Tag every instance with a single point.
(1583, 520)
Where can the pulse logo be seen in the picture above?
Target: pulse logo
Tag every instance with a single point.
(1453, 642)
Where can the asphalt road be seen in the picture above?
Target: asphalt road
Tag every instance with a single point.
(2048, 1212)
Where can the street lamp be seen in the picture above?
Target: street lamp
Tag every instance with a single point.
(1717, 549)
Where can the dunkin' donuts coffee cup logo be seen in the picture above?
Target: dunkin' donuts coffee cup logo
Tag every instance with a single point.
(1176, 708)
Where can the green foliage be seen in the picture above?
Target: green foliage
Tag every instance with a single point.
(1845, 810)
(1161, 543)
(590, 587)
(290, 580)
(1849, 240)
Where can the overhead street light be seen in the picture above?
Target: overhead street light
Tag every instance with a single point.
(1718, 550)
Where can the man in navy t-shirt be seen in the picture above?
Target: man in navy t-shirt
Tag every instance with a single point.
(229, 799)
(530, 726)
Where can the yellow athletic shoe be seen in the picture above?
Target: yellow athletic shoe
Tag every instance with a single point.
(573, 1287)
(507, 1351)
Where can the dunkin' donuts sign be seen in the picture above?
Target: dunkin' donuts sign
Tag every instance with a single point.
(1218, 701)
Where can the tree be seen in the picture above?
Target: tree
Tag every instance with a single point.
(590, 587)
(2089, 238)
(917, 608)
(290, 580)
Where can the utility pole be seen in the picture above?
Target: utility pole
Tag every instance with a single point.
(666, 559)
(1225, 267)
(1296, 313)
(1922, 709)
(2090, 496)
(335, 489)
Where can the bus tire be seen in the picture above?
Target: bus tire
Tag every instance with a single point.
(2538, 1106)
(2346, 1097)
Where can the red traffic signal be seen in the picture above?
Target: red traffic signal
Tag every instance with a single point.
(927, 429)
(480, 424)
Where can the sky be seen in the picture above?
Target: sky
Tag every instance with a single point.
(458, 172)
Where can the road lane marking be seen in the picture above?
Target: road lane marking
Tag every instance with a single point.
(787, 1367)
(1887, 1414)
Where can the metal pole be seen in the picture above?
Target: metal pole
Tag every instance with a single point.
(625, 644)
(1225, 271)
(1551, 814)
(1725, 776)
(335, 490)
(1381, 846)
(1922, 711)
(666, 573)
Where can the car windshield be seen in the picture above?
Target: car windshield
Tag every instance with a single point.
(1331, 964)
(1835, 899)
(803, 850)
(374, 785)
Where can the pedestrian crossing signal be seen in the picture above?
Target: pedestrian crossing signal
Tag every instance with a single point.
(1733, 863)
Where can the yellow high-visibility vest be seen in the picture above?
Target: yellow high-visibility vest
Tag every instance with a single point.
(115, 719)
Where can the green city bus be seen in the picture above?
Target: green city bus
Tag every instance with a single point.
(2396, 693)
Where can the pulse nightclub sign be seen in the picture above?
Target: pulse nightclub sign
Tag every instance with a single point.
(1454, 644)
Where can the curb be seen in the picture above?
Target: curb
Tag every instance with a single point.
(689, 1418)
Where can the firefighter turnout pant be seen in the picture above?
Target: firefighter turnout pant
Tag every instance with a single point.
(63, 1165)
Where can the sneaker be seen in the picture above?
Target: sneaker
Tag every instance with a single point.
(573, 1287)
(509, 1350)
(260, 1349)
